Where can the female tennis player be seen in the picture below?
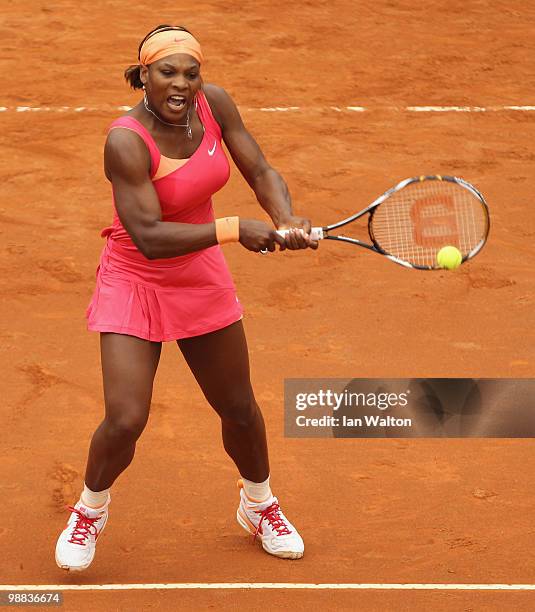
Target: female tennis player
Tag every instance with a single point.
(162, 276)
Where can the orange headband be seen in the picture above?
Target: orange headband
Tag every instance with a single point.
(168, 42)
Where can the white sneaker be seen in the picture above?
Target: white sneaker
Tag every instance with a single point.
(76, 544)
(266, 520)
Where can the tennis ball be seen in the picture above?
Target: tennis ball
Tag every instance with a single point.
(449, 257)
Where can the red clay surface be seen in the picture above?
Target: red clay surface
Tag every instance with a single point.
(369, 510)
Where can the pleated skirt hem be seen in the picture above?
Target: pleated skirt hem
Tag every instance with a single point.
(163, 303)
(169, 336)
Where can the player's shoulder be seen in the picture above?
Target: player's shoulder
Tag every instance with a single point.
(220, 101)
(123, 136)
(124, 149)
(122, 132)
(215, 93)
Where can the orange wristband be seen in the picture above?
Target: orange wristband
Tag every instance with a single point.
(227, 229)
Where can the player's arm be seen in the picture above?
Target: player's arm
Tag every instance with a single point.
(127, 164)
(268, 185)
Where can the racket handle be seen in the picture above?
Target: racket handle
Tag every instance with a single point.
(316, 233)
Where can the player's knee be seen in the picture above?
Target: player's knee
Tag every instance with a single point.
(126, 422)
(240, 411)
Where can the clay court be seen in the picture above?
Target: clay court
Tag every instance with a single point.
(421, 511)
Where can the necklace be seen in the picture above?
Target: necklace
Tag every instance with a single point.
(186, 125)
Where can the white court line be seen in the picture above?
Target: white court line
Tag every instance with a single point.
(453, 109)
(268, 585)
(284, 109)
(524, 108)
(280, 109)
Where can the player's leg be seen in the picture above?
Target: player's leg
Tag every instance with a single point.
(128, 368)
(220, 363)
(129, 365)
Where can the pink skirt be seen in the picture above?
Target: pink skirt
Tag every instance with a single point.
(164, 299)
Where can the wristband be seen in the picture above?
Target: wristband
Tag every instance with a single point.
(227, 229)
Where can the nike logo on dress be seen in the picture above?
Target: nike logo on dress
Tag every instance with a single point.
(212, 150)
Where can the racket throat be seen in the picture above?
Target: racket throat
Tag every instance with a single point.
(318, 233)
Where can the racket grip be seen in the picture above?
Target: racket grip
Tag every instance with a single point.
(316, 233)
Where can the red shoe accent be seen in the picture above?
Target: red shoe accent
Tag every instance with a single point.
(83, 527)
(272, 515)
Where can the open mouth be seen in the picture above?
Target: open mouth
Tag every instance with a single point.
(176, 102)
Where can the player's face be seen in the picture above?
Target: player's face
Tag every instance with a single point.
(171, 84)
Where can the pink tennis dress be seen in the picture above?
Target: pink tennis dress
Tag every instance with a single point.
(179, 297)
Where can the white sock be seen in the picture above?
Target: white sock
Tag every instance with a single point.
(94, 499)
(257, 491)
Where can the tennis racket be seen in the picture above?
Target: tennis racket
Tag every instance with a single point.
(412, 221)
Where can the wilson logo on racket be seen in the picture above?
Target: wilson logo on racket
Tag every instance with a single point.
(411, 222)
(434, 221)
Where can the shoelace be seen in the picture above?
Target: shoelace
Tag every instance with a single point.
(83, 527)
(272, 515)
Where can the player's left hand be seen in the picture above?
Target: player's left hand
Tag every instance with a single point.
(299, 236)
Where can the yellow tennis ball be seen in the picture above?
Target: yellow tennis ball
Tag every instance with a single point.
(449, 257)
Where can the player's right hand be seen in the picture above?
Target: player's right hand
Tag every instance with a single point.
(259, 236)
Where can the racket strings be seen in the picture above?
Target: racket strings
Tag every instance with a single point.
(415, 222)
